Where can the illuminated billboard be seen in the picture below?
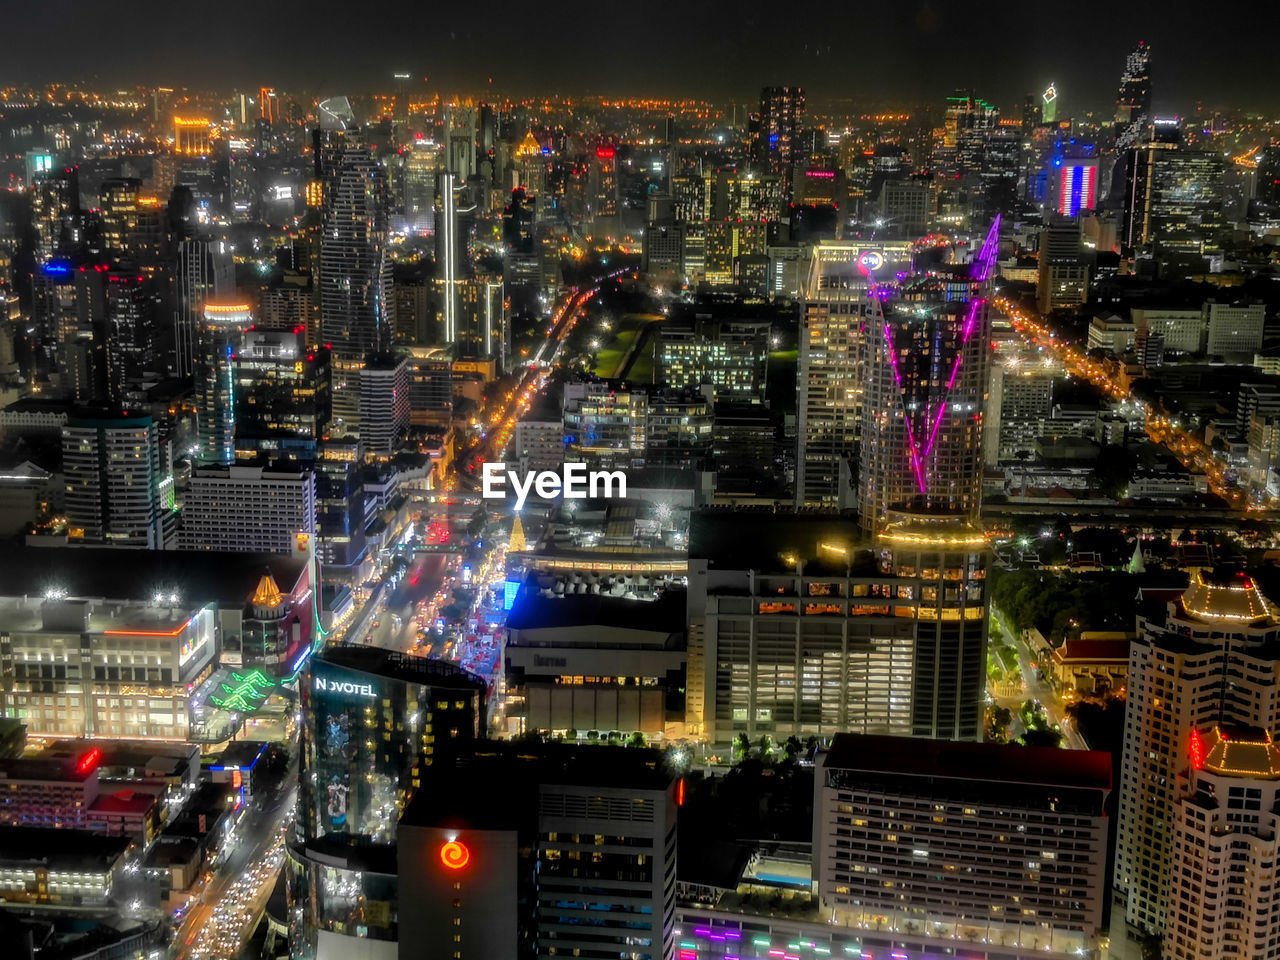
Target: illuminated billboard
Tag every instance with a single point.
(1077, 186)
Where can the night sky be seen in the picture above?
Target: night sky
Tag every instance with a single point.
(895, 52)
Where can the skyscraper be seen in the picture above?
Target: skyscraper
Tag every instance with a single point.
(1211, 659)
(450, 253)
(1173, 195)
(281, 396)
(1133, 99)
(781, 116)
(220, 333)
(204, 272)
(115, 489)
(926, 364)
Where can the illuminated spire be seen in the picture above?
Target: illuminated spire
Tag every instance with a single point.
(268, 593)
(517, 544)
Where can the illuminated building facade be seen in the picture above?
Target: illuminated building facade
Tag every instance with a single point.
(219, 340)
(542, 851)
(898, 822)
(374, 722)
(730, 354)
(203, 274)
(281, 394)
(102, 649)
(115, 490)
(781, 117)
(55, 210)
(1222, 626)
(1173, 195)
(1133, 99)
(797, 629)
(248, 509)
(1077, 186)
(1225, 847)
(926, 377)
(191, 137)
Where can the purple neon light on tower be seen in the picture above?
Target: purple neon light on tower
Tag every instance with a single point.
(922, 410)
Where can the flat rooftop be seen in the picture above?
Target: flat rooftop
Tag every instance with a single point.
(393, 665)
(761, 539)
(61, 849)
(664, 615)
(953, 760)
(198, 577)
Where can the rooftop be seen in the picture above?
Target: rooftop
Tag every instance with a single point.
(1235, 750)
(776, 542)
(60, 849)
(392, 665)
(666, 614)
(991, 762)
(1226, 596)
(197, 577)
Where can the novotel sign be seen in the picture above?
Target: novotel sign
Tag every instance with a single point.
(325, 685)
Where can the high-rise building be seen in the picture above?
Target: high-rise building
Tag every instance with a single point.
(423, 163)
(1224, 844)
(204, 273)
(1076, 185)
(1173, 195)
(131, 309)
(451, 254)
(1133, 99)
(219, 338)
(55, 210)
(1212, 658)
(384, 403)
(356, 304)
(550, 851)
(926, 377)
(1062, 279)
(280, 396)
(781, 117)
(963, 841)
(248, 509)
(116, 493)
(373, 723)
(1234, 329)
(796, 628)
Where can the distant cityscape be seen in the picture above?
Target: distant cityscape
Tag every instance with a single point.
(917, 598)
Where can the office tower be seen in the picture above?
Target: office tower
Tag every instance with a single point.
(518, 218)
(1062, 279)
(269, 105)
(1225, 846)
(219, 339)
(796, 628)
(481, 319)
(280, 393)
(204, 273)
(115, 490)
(248, 509)
(1173, 196)
(384, 403)
(781, 117)
(423, 163)
(460, 141)
(1234, 329)
(731, 355)
(133, 334)
(55, 211)
(949, 842)
(602, 191)
(909, 206)
(726, 242)
(830, 382)
(1212, 658)
(1133, 99)
(373, 724)
(926, 373)
(339, 511)
(548, 851)
(355, 270)
(118, 203)
(450, 254)
(356, 302)
(191, 136)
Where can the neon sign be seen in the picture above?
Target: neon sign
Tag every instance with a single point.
(454, 855)
(870, 261)
(324, 685)
(245, 694)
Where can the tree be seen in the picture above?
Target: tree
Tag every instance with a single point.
(766, 747)
(637, 740)
(741, 746)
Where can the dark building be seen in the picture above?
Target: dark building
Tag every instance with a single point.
(281, 396)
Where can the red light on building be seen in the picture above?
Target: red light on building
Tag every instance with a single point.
(680, 792)
(606, 152)
(454, 855)
(1196, 749)
(89, 761)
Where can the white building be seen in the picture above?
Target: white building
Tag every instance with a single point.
(1183, 330)
(1222, 626)
(1112, 334)
(248, 509)
(963, 841)
(539, 442)
(1234, 328)
(1226, 847)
